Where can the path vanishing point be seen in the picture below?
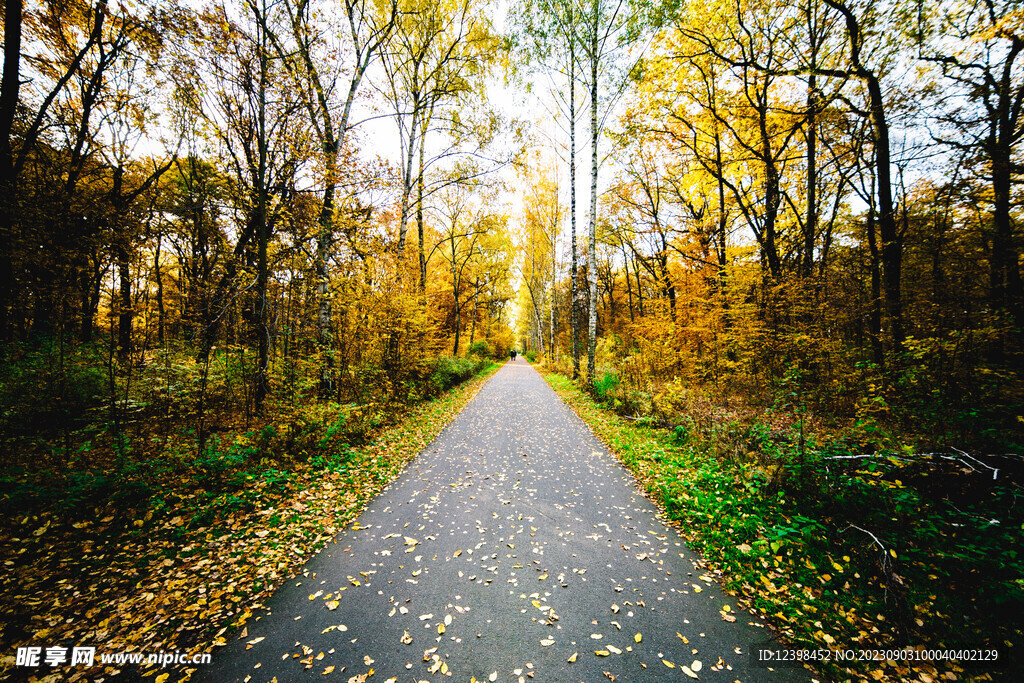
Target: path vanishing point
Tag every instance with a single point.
(514, 548)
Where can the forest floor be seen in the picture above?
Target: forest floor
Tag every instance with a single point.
(798, 559)
(176, 572)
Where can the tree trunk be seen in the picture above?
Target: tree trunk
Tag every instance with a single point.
(574, 266)
(875, 318)
(458, 329)
(324, 334)
(891, 247)
(403, 221)
(629, 283)
(1004, 271)
(592, 246)
(124, 315)
(772, 191)
(9, 93)
(551, 314)
(811, 221)
(160, 310)
(261, 380)
(419, 219)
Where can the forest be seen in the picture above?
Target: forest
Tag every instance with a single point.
(240, 241)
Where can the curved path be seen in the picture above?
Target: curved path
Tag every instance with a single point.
(513, 544)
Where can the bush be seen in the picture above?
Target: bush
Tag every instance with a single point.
(449, 372)
(481, 349)
(604, 384)
(531, 356)
(44, 388)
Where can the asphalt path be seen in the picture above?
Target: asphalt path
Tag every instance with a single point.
(514, 548)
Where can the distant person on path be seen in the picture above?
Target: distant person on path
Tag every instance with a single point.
(512, 354)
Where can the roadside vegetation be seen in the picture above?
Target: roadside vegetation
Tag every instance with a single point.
(838, 549)
(147, 545)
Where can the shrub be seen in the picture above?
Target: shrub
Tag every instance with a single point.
(604, 385)
(45, 388)
(481, 349)
(449, 372)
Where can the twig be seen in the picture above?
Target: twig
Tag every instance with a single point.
(873, 537)
(854, 457)
(886, 560)
(995, 472)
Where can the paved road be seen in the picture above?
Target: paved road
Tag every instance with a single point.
(511, 545)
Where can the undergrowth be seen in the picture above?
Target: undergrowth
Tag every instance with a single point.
(172, 553)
